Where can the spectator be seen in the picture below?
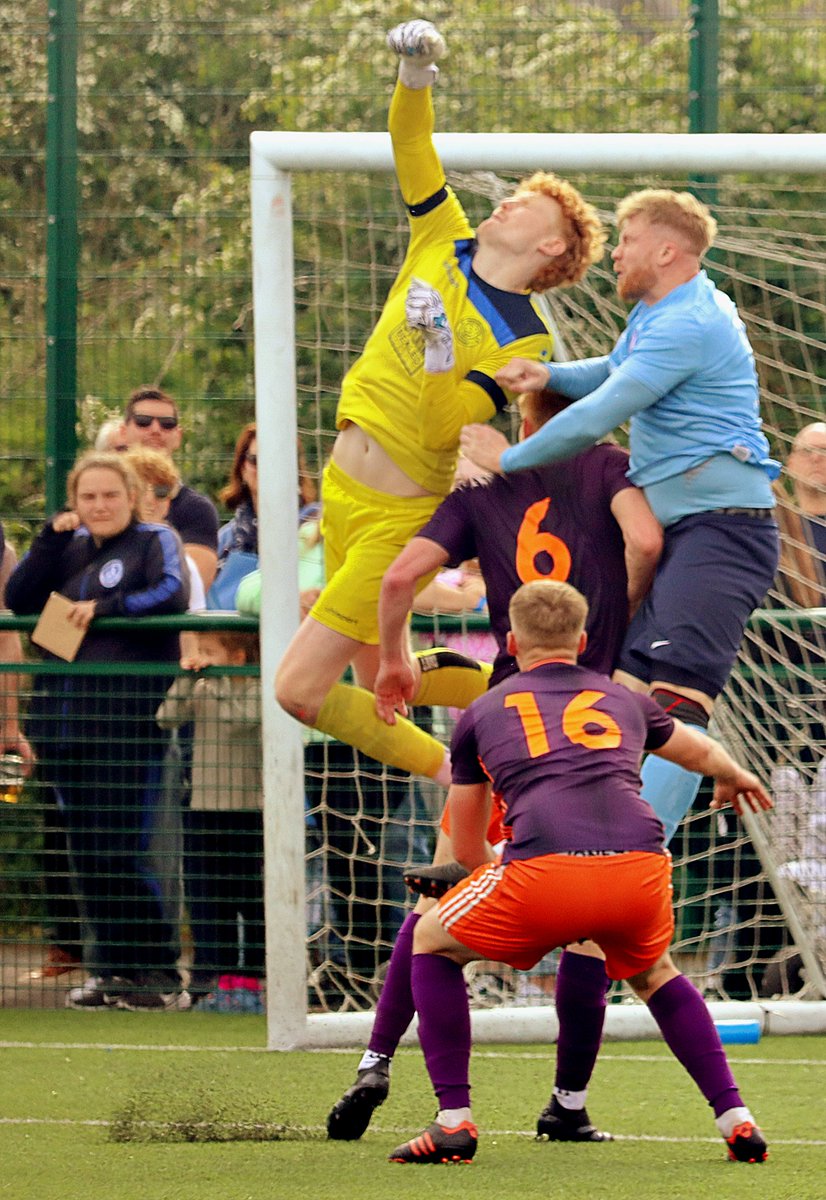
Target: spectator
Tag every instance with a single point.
(151, 419)
(62, 918)
(95, 734)
(111, 437)
(161, 482)
(224, 832)
(238, 539)
(310, 542)
(12, 738)
(802, 519)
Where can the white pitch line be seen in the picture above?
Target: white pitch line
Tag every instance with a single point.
(397, 1131)
(132, 1046)
(606, 1058)
(478, 1053)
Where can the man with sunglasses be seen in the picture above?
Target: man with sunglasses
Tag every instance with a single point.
(151, 420)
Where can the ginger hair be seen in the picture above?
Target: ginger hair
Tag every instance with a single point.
(151, 466)
(583, 230)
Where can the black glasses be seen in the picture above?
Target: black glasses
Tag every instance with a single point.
(160, 490)
(144, 420)
(252, 459)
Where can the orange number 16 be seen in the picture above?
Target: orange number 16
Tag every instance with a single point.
(578, 713)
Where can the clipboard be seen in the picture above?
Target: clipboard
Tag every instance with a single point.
(54, 631)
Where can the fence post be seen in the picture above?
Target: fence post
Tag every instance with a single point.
(61, 248)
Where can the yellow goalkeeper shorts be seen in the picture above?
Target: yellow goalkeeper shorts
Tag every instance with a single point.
(363, 532)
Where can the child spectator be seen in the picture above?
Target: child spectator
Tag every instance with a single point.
(223, 827)
(160, 484)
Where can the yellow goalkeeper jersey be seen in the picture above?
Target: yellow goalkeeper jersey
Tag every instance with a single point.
(415, 416)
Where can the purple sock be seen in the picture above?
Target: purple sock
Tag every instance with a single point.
(581, 984)
(686, 1024)
(395, 1008)
(444, 1026)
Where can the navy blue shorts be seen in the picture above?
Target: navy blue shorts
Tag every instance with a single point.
(715, 570)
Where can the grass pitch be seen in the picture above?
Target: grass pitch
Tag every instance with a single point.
(133, 1106)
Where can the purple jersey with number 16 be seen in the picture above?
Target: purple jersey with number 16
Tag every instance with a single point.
(551, 523)
(563, 745)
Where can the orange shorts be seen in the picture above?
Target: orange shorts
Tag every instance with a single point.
(497, 830)
(517, 912)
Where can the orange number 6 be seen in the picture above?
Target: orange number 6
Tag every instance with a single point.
(531, 541)
(579, 713)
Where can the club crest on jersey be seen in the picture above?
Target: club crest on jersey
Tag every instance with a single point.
(470, 332)
(111, 573)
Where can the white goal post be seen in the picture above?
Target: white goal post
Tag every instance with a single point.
(274, 157)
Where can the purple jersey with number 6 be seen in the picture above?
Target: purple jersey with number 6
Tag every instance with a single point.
(563, 745)
(551, 523)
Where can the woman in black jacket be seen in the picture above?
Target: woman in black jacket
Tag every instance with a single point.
(95, 735)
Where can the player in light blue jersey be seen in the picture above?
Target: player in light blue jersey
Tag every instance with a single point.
(682, 374)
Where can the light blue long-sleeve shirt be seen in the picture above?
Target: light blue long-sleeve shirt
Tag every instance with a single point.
(683, 374)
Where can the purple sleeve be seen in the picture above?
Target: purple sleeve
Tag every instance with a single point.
(464, 752)
(451, 528)
(660, 723)
(614, 464)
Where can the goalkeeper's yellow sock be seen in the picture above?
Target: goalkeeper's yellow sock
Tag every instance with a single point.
(349, 715)
(450, 679)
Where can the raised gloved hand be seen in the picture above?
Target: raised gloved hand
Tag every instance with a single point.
(425, 310)
(419, 45)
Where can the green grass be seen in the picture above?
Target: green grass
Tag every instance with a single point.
(185, 1093)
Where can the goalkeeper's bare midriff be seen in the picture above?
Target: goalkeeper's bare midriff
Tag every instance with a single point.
(362, 458)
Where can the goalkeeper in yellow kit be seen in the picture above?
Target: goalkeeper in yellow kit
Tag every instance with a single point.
(459, 310)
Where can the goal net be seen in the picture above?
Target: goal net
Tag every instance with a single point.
(328, 235)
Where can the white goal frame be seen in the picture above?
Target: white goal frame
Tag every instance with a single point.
(274, 156)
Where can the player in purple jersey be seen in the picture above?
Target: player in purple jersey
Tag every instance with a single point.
(580, 520)
(563, 745)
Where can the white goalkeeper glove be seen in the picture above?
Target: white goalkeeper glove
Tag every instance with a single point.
(418, 45)
(425, 310)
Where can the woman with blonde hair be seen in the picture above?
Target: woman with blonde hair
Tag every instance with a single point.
(95, 734)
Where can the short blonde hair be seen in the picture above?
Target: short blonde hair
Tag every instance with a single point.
(679, 210)
(151, 466)
(109, 460)
(547, 612)
(584, 232)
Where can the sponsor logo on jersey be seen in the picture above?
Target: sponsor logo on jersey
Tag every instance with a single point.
(409, 346)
